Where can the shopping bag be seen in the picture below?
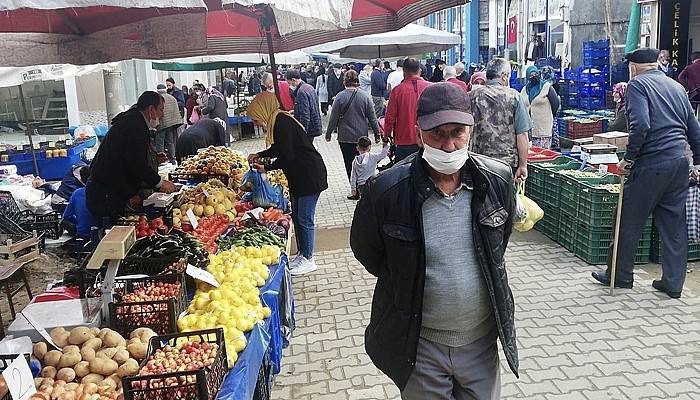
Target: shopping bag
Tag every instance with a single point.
(533, 212)
(262, 193)
(692, 211)
(520, 210)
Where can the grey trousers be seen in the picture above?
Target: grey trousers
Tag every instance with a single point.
(165, 141)
(661, 189)
(469, 372)
(378, 105)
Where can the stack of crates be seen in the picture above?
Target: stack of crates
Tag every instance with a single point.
(593, 75)
(568, 92)
(657, 248)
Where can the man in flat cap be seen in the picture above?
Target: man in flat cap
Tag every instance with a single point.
(434, 229)
(657, 171)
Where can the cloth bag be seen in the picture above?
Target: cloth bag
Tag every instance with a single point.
(533, 212)
(262, 193)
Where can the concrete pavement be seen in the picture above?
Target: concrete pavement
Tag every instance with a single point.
(575, 341)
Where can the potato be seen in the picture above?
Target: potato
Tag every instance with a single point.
(62, 340)
(103, 366)
(71, 347)
(48, 372)
(69, 359)
(72, 386)
(57, 332)
(116, 379)
(66, 374)
(39, 396)
(129, 368)
(107, 352)
(52, 358)
(113, 339)
(38, 382)
(137, 350)
(121, 356)
(87, 354)
(40, 349)
(94, 343)
(80, 335)
(82, 369)
(95, 331)
(103, 332)
(143, 334)
(108, 383)
(91, 378)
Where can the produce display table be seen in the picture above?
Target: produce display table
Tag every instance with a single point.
(241, 381)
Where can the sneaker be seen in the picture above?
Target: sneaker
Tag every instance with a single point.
(305, 266)
(295, 262)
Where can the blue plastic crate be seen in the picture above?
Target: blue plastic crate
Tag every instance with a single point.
(596, 45)
(589, 76)
(596, 53)
(591, 103)
(591, 90)
(602, 62)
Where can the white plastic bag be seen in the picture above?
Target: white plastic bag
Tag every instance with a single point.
(533, 212)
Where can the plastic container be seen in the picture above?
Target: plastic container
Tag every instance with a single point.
(593, 246)
(159, 315)
(48, 224)
(596, 44)
(201, 384)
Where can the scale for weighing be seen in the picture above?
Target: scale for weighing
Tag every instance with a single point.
(80, 312)
(601, 153)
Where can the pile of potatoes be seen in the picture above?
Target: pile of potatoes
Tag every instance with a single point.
(50, 389)
(93, 355)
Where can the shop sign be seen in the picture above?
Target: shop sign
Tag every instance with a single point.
(31, 75)
(674, 19)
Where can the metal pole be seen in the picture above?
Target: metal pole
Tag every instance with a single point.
(30, 129)
(114, 93)
(273, 65)
(546, 28)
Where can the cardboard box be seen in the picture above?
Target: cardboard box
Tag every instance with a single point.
(618, 139)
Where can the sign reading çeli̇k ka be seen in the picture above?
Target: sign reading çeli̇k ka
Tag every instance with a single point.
(674, 18)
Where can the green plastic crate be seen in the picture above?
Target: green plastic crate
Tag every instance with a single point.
(551, 184)
(567, 233)
(549, 224)
(592, 246)
(596, 207)
(657, 250)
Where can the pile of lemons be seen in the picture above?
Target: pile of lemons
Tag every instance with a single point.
(235, 305)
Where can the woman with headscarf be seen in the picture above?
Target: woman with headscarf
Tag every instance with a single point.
(477, 80)
(542, 102)
(620, 98)
(294, 153)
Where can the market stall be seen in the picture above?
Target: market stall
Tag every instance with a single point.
(207, 278)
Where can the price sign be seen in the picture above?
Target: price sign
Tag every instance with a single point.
(19, 379)
(202, 275)
(3, 148)
(36, 325)
(52, 145)
(37, 146)
(193, 218)
(603, 169)
(69, 142)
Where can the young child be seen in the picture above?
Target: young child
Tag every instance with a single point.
(364, 165)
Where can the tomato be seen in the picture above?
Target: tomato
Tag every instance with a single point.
(141, 233)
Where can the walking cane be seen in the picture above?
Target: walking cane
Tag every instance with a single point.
(616, 239)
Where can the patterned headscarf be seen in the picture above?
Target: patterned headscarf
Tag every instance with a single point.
(621, 90)
(477, 76)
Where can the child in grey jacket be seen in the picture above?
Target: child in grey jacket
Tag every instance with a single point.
(364, 165)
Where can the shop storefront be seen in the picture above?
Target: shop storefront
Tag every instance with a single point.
(672, 25)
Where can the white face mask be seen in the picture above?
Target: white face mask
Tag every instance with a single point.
(444, 162)
(153, 123)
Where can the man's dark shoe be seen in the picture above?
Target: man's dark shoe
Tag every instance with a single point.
(602, 277)
(661, 287)
(355, 197)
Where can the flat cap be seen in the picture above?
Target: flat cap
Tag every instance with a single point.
(644, 55)
(443, 103)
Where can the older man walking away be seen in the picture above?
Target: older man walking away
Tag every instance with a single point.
(307, 108)
(434, 230)
(501, 119)
(166, 135)
(657, 169)
(377, 88)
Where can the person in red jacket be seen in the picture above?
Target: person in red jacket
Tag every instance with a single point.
(690, 79)
(400, 120)
(450, 74)
(285, 93)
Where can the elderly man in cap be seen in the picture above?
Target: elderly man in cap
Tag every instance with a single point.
(438, 309)
(656, 164)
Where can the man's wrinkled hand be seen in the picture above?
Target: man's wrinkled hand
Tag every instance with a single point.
(252, 157)
(168, 187)
(521, 174)
(259, 167)
(135, 203)
(623, 168)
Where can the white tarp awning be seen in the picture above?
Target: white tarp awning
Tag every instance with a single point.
(410, 40)
(305, 15)
(13, 76)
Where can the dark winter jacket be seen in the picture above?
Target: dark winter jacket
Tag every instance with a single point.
(335, 85)
(661, 120)
(307, 109)
(295, 154)
(180, 97)
(70, 183)
(216, 108)
(204, 133)
(387, 238)
(120, 165)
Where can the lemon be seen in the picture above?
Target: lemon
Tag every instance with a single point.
(267, 312)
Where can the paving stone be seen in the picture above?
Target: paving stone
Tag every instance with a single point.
(574, 341)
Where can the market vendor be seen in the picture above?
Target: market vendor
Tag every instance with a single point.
(122, 163)
(205, 133)
(620, 98)
(295, 154)
(77, 219)
(76, 177)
